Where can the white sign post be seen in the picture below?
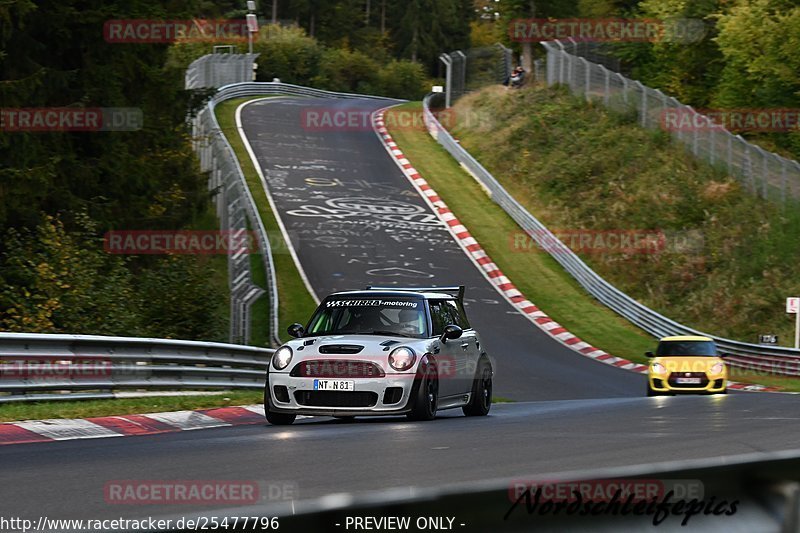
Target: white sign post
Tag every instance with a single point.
(793, 307)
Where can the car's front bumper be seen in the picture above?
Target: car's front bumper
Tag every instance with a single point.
(716, 383)
(304, 400)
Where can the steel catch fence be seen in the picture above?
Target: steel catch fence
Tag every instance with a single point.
(759, 358)
(760, 171)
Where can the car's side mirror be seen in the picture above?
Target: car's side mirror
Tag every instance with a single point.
(296, 330)
(649, 354)
(451, 332)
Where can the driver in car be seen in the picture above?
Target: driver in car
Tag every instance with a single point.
(409, 322)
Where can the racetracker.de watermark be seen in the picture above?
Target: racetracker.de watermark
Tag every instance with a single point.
(64, 119)
(55, 367)
(197, 492)
(678, 30)
(322, 119)
(194, 242)
(613, 241)
(343, 366)
(46, 368)
(777, 120)
(167, 31)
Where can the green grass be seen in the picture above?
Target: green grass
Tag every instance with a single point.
(536, 274)
(760, 378)
(295, 303)
(124, 406)
(727, 259)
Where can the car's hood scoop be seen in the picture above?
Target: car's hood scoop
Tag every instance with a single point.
(348, 349)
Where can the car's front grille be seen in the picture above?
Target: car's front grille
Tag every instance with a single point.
(675, 376)
(334, 368)
(347, 349)
(321, 398)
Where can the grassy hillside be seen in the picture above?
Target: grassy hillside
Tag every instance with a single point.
(724, 261)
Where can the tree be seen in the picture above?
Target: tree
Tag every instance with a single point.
(525, 9)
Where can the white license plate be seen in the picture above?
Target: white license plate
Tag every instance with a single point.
(688, 381)
(334, 384)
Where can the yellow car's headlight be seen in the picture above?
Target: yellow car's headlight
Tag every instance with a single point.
(718, 368)
(658, 368)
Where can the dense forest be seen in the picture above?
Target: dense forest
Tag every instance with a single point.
(60, 192)
(746, 59)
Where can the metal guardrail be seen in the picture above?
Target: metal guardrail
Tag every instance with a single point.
(779, 360)
(235, 204)
(760, 171)
(36, 366)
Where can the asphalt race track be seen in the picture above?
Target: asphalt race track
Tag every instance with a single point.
(355, 220)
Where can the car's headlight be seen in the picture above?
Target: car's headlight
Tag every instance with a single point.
(282, 357)
(718, 368)
(658, 368)
(402, 358)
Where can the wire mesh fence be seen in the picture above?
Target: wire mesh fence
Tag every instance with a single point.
(218, 70)
(763, 173)
(473, 69)
(234, 207)
(774, 360)
(226, 182)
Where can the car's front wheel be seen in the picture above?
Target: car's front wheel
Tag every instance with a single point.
(426, 401)
(481, 398)
(651, 392)
(276, 419)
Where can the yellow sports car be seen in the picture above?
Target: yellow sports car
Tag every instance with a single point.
(686, 364)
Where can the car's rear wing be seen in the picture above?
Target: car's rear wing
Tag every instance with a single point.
(457, 290)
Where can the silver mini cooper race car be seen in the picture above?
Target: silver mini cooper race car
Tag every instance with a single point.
(381, 351)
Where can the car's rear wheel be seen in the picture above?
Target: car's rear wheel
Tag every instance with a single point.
(276, 419)
(481, 398)
(426, 401)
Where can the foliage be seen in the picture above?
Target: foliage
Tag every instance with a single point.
(728, 259)
(403, 79)
(288, 54)
(59, 281)
(346, 71)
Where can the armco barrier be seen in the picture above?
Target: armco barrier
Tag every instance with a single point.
(235, 201)
(781, 361)
(36, 366)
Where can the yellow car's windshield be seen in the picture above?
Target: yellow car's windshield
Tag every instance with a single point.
(686, 348)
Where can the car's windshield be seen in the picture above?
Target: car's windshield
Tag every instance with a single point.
(686, 348)
(403, 317)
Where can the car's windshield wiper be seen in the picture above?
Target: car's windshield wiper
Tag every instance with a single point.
(392, 333)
